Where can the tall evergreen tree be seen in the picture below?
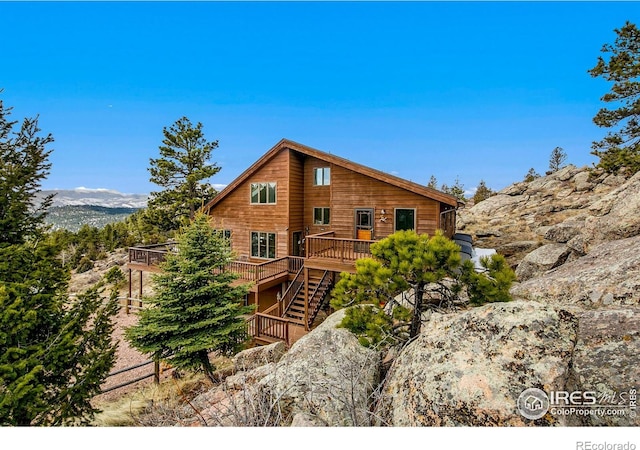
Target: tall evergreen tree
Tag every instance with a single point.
(196, 310)
(433, 182)
(24, 163)
(482, 192)
(182, 170)
(621, 146)
(457, 190)
(54, 352)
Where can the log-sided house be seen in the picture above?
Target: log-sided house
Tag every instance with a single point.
(299, 216)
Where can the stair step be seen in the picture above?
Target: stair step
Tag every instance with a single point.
(295, 317)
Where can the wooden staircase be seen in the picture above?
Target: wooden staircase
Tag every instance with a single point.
(295, 310)
(318, 288)
(278, 322)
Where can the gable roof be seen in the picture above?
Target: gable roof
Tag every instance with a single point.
(373, 173)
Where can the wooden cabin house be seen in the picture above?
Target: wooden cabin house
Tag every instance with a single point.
(298, 217)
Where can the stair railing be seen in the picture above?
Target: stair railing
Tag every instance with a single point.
(319, 295)
(292, 292)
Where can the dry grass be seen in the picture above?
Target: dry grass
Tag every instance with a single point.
(151, 405)
(166, 404)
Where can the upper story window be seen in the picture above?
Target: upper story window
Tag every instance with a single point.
(263, 193)
(322, 176)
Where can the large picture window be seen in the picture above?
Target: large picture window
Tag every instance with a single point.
(322, 176)
(263, 245)
(263, 193)
(321, 216)
(405, 219)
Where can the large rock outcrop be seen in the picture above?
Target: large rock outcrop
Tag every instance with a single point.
(616, 215)
(608, 275)
(606, 360)
(259, 356)
(531, 211)
(327, 377)
(541, 260)
(469, 369)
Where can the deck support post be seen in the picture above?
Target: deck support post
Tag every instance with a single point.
(128, 301)
(306, 299)
(258, 323)
(156, 371)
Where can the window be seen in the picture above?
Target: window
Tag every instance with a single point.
(322, 176)
(263, 193)
(321, 216)
(263, 245)
(405, 219)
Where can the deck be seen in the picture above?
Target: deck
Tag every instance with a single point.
(149, 258)
(324, 252)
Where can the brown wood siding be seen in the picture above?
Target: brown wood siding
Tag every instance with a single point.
(350, 190)
(316, 196)
(268, 298)
(235, 212)
(296, 196)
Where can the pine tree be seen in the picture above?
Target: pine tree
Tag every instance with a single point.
(181, 169)
(620, 147)
(482, 192)
(531, 175)
(556, 159)
(24, 163)
(54, 353)
(433, 183)
(195, 310)
(429, 269)
(457, 190)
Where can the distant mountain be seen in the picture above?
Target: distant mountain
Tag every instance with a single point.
(73, 208)
(72, 217)
(106, 198)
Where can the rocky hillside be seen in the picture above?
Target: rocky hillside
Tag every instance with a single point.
(574, 326)
(551, 209)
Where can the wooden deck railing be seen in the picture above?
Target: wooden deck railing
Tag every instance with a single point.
(273, 310)
(260, 272)
(448, 222)
(262, 325)
(344, 250)
(295, 264)
(150, 255)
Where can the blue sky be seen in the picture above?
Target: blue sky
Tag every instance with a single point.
(474, 90)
